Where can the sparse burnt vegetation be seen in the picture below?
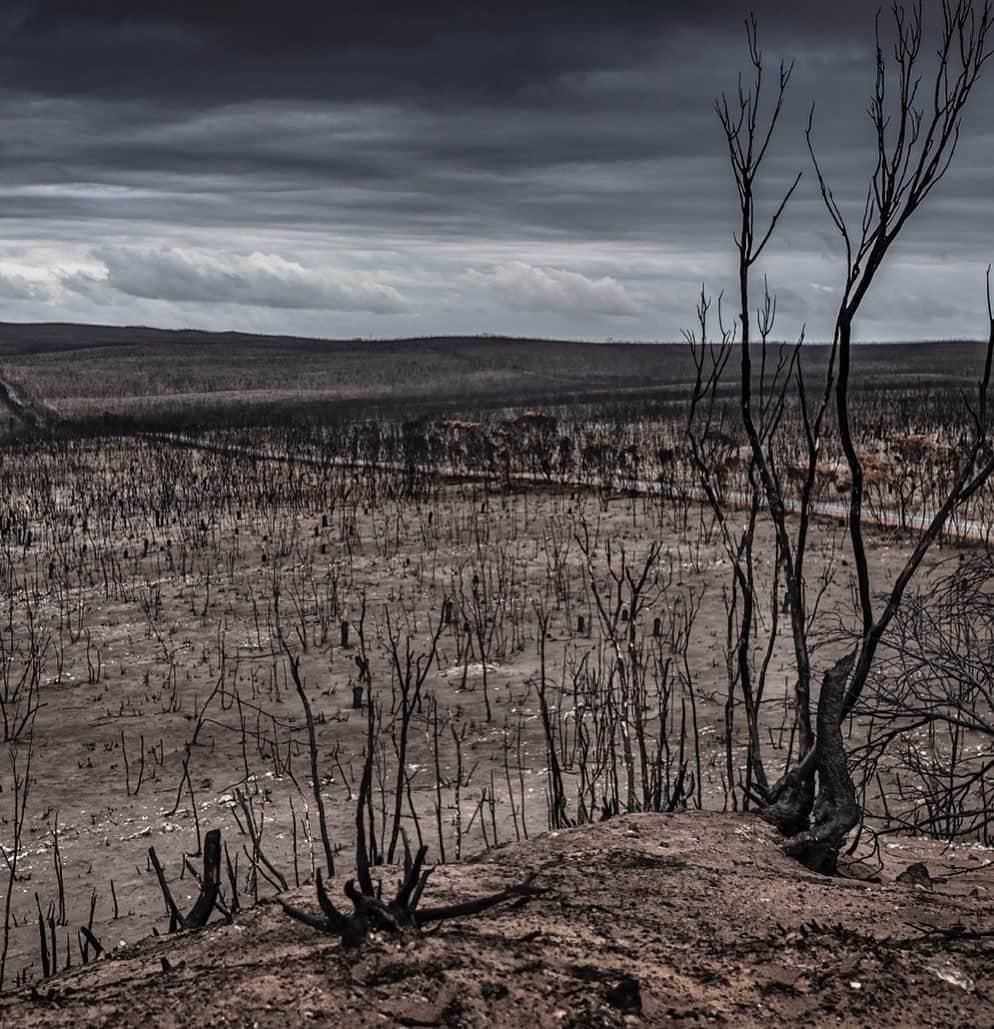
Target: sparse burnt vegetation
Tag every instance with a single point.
(246, 650)
(480, 650)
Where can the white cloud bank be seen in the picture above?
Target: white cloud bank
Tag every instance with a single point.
(35, 286)
(181, 275)
(528, 287)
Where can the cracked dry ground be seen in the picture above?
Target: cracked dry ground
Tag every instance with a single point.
(647, 919)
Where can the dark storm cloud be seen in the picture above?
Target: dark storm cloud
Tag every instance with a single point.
(443, 53)
(444, 114)
(424, 160)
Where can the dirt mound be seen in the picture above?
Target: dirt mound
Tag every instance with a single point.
(646, 919)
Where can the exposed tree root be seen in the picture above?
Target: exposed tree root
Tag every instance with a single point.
(400, 916)
(816, 828)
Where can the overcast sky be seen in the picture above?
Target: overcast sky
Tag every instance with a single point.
(398, 168)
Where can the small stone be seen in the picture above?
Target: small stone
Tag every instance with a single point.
(951, 974)
(916, 875)
(626, 995)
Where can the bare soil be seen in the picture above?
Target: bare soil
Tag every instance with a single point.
(178, 579)
(135, 676)
(648, 919)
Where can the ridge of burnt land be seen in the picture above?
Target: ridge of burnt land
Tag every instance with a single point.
(645, 919)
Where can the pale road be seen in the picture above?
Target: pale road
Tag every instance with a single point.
(890, 517)
(963, 530)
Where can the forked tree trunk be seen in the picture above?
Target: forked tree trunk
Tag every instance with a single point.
(816, 827)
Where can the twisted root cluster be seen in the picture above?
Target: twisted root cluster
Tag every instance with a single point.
(401, 915)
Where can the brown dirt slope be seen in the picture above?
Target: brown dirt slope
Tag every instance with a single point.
(648, 919)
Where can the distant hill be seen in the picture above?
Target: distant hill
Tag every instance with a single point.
(25, 337)
(86, 371)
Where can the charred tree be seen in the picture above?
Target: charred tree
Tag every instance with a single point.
(916, 131)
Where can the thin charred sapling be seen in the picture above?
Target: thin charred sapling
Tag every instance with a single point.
(312, 747)
(761, 400)
(630, 588)
(20, 779)
(410, 670)
(556, 791)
